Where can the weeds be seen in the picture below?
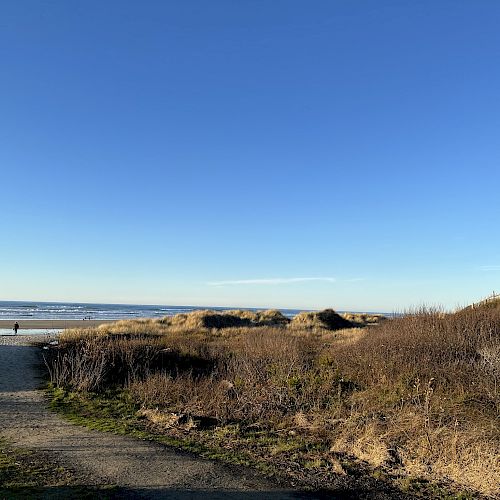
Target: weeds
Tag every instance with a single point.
(417, 396)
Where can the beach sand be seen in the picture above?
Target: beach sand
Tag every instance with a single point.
(46, 324)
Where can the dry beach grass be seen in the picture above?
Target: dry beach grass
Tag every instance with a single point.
(45, 324)
(413, 397)
(44, 456)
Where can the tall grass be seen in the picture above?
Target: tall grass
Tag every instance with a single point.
(418, 394)
(430, 397)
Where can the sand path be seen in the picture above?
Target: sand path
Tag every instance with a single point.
(144, 469)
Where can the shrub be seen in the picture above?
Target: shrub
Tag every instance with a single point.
(420, 392)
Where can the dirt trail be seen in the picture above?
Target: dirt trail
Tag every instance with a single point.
(144, 469)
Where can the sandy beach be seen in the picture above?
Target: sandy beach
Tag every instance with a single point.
(45, 324)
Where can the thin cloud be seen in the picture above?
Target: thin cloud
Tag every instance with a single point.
(490, 268)
(270, 281)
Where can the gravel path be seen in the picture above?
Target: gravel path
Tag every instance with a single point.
(144, 469)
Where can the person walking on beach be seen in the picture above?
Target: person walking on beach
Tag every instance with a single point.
(16, 327)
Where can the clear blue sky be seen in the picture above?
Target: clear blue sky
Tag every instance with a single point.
(283, 153)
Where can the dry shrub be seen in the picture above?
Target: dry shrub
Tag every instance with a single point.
(368, 445)
(345, 336)
(82, 367)
(183, 394)
(93, 363)
(266, 375)
(430, 395)
(419, 394)
(425, 345)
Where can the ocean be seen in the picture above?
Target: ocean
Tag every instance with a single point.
(14, 310)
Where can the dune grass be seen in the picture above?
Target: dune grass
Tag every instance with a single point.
(413, 397)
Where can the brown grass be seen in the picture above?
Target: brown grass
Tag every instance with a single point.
(363, 319)
(416, 395)
(208, 319)
(323, 320)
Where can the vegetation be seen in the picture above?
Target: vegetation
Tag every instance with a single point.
(363, 319)
(410, 400)
(326, 320)
(225, 319)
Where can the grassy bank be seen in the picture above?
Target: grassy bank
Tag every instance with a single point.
(411, 403)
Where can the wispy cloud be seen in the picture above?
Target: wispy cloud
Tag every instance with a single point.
(490, 268)
(270, 281)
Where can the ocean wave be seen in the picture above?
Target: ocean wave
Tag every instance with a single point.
(71, 311)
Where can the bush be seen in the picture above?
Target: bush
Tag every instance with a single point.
(420, 392)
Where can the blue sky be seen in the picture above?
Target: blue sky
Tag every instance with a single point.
(250, 153)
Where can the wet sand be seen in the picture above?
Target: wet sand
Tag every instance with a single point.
(44, 324)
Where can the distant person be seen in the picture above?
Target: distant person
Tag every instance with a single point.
(16, 327)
